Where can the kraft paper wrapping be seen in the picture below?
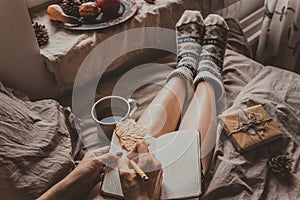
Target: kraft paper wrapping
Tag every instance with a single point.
(243, 140)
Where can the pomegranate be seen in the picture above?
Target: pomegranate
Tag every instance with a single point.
(109, 7)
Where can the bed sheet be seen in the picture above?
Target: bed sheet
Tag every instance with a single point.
(247, 175)
(37, 145)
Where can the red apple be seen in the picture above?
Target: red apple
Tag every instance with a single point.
(109, 7)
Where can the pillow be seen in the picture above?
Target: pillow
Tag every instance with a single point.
(37, 144)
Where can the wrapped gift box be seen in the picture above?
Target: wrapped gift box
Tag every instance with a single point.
(250, 127)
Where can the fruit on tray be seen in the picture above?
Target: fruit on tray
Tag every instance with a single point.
(56, 13)
(89, 10)
(71, 7)
(109, 8)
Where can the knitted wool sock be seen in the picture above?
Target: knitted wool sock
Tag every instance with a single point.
(212, 56)
(189, 33)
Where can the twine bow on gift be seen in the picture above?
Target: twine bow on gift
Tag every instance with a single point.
(251, 123)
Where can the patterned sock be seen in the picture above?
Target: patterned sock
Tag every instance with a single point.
(212, 56)
(189, 33)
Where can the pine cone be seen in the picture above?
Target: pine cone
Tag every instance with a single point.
(71, 7)
(41, 33)
(281, 164)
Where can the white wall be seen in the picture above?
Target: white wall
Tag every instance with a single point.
(21, 66)
(33, 3)
(241, 9)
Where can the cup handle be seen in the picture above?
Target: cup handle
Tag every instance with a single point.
(133, 106)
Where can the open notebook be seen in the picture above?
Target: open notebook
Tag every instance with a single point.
(179, 153)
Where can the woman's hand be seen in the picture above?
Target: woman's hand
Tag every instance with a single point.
(133, 186)
(86, 175)
(91, 167)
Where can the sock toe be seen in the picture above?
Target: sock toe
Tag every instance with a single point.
(214, 19)
(190, 16)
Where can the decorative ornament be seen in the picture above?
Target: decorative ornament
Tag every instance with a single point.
(281, 164)
(41, 33)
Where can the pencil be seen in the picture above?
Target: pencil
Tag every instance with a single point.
(139, 170)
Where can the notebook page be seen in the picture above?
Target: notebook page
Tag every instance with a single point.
(179, 153)
(111, 185)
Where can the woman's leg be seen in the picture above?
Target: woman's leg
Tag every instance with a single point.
(163, 114)
(201, 113)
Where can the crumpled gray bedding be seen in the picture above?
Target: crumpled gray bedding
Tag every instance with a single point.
(247, 175)
(37, 144)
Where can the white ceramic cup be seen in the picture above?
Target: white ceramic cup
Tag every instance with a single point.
(111, 109)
